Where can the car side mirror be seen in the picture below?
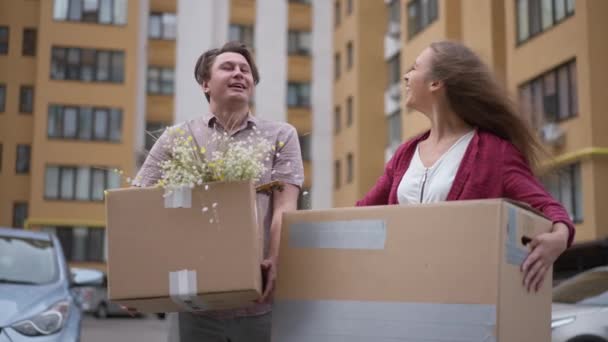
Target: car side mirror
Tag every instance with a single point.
(85, 277)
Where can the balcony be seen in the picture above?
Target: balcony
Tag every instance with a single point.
(392, 98)
(392, 40)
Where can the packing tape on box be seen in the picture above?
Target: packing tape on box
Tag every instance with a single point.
(183, 290)
(515, 252)
(353, 234)
(178, 198)
(359, 321)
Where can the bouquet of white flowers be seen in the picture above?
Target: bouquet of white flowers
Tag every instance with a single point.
(232, 160)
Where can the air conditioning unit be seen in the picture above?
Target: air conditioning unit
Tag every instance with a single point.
(394, 29)
(552, 134)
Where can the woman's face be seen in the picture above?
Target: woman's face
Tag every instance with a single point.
(418, 84)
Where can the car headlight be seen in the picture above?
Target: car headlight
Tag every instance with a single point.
(46, 323)
(560, 322)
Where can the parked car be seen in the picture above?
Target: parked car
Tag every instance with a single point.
(580, 308)
(36, 302)
(93, 296)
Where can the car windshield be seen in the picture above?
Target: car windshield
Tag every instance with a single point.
(27, 261)
(589, 288)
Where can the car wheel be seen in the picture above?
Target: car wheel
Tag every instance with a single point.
(102, 311)
(587, 338)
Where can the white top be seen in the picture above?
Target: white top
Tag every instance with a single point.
(428, 185)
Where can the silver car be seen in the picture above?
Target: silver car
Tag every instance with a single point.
(36, 303)
(580, 308)
(93, 296)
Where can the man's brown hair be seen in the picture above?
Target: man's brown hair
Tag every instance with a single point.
(202, 69)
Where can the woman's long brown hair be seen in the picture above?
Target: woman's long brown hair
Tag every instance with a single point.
(475, 96)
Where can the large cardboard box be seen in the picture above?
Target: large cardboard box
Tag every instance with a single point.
(438, 272)
(184, 259)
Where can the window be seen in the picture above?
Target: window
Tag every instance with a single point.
(350, 168)
(2, 98)
(81, 244)
(153, 131)
(337, 66)
(79, 65)
(298, 94)
(536, 16)
(84, 123)
(551, 97)
(28, 47)
(421, 14)
(337, 173)
(160, 80)
(337, 120)
(349, 55)
(26, 99)
(110, 12)
(337, 9)
(4, 35)
(19, 214)
(83, 183)
(394, 12)
(22, 165)
(349, 111)
(565, 184)
(349, 6)
(241, 33)
(162, 26)
(299, 43)
(305, 146)
(394, 130)
(307, 2)
(394, 69)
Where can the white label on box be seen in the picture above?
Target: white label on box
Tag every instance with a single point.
(183, 290)
(178, 197)
(362, 321)
(353, 234)
(515, 252)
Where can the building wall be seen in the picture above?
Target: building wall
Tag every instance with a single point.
(15, 128)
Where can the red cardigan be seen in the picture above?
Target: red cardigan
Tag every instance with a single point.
(491, 168)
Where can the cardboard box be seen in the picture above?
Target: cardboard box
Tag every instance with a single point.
(438, 272)
(182, 259)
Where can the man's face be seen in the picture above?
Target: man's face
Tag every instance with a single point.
(231, 79)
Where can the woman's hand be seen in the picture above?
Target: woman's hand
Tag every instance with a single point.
(545, 249)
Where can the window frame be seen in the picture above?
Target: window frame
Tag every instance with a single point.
(16, 205)
(23, 108)
(539, 83)
(114, 18)
(302, 101)
(299, 50)
(59, 111)
(18, 159)
(5, 51)
(72, 71)
(419, 26)
(160, 16)
(3, 90)
(74, 169)
(29, 48)
(568, 13)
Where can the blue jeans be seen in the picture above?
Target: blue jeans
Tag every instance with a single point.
(194, 328)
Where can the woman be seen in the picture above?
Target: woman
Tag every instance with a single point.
(478, 147)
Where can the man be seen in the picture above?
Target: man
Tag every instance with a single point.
(227, 77)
